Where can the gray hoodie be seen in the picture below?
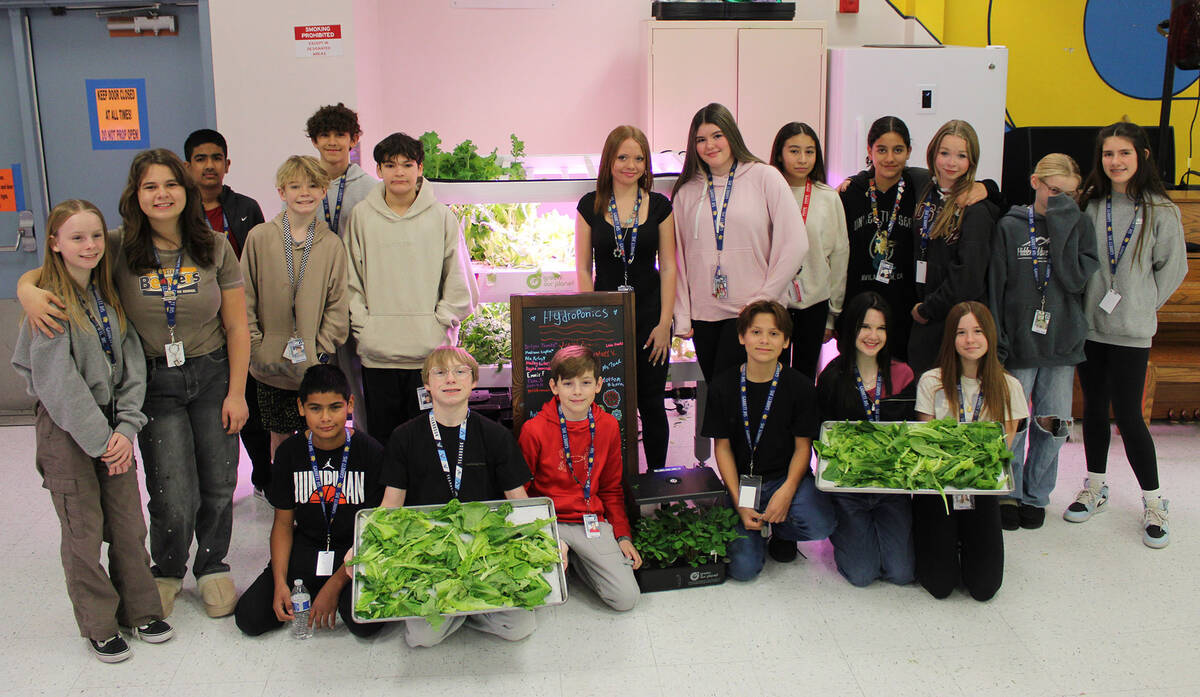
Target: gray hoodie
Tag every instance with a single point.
(1065, 238)
(60, 370)
(358, 185)
(1145, 282)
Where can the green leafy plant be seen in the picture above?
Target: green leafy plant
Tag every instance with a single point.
(464, 163)
(487, 334)
(513, 235)
(678, 534)
(458, 558)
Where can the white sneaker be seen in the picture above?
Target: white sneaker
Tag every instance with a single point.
(1154, 521)
(1087, 502)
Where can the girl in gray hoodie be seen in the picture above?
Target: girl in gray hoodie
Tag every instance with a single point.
(1146, 261)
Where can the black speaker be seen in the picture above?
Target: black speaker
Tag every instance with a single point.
(1183, 37)
(1023, 147)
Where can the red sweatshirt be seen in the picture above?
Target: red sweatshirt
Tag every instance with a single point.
(541, 443)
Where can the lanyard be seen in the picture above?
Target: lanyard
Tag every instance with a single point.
(869, 406)
(871, 193)
(1042, 283)
(170, 288)
(456, 481)
(1114, 257)
(103, 327)
(928, 209)
(719, 227)
(962, 414)
(288, 243)
(807, 196)
(586, 485)
(762, 423)
(330, 512)
(619, 232)
(337, 211)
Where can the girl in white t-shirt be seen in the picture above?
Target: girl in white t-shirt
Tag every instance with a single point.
(965, 545)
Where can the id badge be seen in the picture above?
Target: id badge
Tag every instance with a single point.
(794, 294)
(963, 502)
(884, 274)
(424, 400)
(720, 284)
(922, 266)
(591, 525)
(624, 289)
(749, 491)
(325, 562)
(174, 354)
(1110, 300)
(1041, 322)
(294, 351)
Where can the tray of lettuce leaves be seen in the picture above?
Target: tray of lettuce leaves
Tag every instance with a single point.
(914, 457)
(435, 562)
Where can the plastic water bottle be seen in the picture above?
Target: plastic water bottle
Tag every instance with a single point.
(301, 602)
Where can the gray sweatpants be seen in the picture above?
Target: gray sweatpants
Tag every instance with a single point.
(512, 625)
(601, 565)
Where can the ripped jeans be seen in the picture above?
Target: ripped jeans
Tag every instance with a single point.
(1035, 471)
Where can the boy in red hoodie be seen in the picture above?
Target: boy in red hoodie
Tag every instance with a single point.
(574, 450)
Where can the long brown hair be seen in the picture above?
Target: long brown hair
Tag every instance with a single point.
(198, 240)
(992, 383)
(949, 218)
(719, 116)
(604, 178)
(55, 277)
(1144, 183)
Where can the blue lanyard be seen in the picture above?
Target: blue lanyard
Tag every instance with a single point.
(170, 289)
(456, 481)
(1114, 257)
(928, 208)
(103, 327)
(870, 407)
(719, 227)
(762, 423)
(591, 457)
(962, 413)
(619, 232)
(1042, 283)
(337, 212)
(331, 511)
(871, 193)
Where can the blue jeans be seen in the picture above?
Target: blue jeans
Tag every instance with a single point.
(873, 538)
(191, 464)
(810, 517)
(1036, 471)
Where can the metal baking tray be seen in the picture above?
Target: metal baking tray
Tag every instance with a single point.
(1006, 478)
(524, 511)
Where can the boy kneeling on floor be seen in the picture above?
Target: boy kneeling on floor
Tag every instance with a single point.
(451, 453)
(574, 449)
(320, 478)
(763, 416)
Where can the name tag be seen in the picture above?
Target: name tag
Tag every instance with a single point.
(922, 267)
(963, 502)
(174, 353)
(591, 525)
(1041, 322)
(325, 562)
(884, 274)
(1110, 300)
(294, 351)
(749, 491)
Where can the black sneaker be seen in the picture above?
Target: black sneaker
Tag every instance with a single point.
(781, 550)
(1009, 516)
(153, 632)
(1031, 517)
(111, 650)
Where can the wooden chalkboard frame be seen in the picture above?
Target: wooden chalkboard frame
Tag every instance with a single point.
(519, 304)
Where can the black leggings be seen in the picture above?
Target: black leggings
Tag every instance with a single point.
(717, 346)
(960, 547)
(1116, 376)
(651, 386)
(808, 334)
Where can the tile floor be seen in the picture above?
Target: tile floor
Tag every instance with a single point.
(1085, 610)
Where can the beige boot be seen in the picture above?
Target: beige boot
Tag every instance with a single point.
(218, 593)
(168, 588)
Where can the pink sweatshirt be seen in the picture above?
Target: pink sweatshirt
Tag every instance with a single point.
(765, 243)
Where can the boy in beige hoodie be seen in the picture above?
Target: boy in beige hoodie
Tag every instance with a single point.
(296, 301)
(410, 284)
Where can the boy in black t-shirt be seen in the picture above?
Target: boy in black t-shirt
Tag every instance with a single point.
(763, 416)
(451, 453)
(319, 480)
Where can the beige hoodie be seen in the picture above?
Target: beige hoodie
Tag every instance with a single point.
(322, 315)
(410, 283)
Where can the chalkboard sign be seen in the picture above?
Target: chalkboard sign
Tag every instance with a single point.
(603, 322)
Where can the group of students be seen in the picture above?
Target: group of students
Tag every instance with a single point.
(241, 321)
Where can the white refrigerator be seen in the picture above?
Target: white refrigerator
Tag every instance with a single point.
(924, 86)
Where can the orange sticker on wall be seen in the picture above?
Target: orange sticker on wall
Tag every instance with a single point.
(8, 192)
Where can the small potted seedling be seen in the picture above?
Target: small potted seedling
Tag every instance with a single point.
(684, 546)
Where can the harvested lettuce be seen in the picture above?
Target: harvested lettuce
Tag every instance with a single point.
(461, 557)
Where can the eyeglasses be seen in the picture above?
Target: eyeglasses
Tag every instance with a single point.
(459, 372)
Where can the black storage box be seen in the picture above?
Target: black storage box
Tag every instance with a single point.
(666, 10)
(675, 577)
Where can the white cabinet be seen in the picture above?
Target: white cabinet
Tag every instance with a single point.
(767, 73)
